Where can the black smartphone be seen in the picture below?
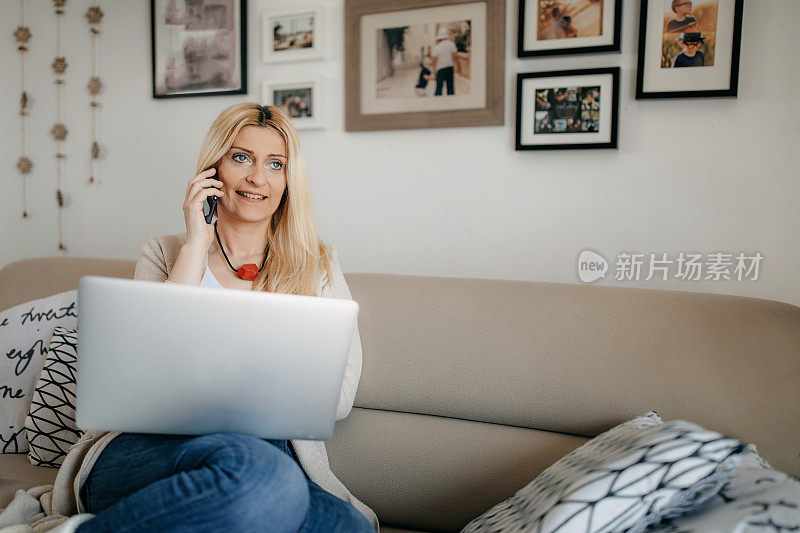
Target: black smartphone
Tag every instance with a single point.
(211, 204)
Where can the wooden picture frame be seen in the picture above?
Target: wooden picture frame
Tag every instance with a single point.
(172, 29)
(660, 45)
(549, 118)
(374, 101)
(531, 21)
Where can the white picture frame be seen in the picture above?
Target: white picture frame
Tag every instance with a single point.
(297, 17)
(273, 89)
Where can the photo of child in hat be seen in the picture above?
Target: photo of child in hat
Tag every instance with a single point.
(445, 57)
(689, 36)
(692, 55)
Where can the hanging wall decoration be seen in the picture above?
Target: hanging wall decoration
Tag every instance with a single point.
(94, 14)
(22, 35)
(59, 130)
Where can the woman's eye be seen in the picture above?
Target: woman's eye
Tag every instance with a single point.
(278, 163)
(239, 160)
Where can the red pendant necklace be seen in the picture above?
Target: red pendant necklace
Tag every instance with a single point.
(250, 270)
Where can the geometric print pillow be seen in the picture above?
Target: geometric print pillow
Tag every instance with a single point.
(50, 425)
(629, 477)
(756, 498)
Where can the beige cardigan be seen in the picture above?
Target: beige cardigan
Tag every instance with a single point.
(155, 263)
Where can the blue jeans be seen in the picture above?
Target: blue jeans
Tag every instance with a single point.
(215, 482)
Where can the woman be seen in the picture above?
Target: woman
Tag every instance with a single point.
(232, 481)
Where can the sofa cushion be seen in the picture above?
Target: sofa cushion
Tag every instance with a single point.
(30, 279)
(25, 332)
(50, 425)
(756, 498)
(580, 359)
(626, 479)
(436, 474)
(17, 472)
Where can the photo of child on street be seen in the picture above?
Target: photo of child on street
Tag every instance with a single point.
(424, 60)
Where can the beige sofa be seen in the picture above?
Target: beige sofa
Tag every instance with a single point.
(471, 387)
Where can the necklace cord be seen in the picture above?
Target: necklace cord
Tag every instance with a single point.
(226, 257)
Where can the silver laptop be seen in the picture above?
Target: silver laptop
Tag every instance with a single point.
(188, 360)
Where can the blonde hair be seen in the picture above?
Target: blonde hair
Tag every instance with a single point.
(296, 255)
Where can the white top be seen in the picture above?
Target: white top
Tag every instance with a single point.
(443, 52)
(209, 280)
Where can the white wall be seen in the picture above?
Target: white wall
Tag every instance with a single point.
(702, 175)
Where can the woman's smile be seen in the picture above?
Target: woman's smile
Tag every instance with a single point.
(250, 198)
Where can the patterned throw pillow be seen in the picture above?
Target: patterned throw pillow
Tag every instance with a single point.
(622, 480)
(24, 333)
(756, 498)
(50, 425)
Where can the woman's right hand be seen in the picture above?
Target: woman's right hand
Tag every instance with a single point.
(197, 190)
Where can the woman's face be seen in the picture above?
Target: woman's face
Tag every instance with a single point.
(256, 163)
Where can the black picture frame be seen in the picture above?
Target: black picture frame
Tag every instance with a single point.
(613, 47)
(242, 57)
(733, 83)
(615, 80)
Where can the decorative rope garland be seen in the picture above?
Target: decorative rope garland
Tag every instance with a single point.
(59, 130)
(22, 35)
(94, 14)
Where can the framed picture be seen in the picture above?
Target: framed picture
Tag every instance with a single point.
(567, 109)
(423, 63)
(294, 34)
(198, 48)
(554, 27)
(702, 34)
(302, 99)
